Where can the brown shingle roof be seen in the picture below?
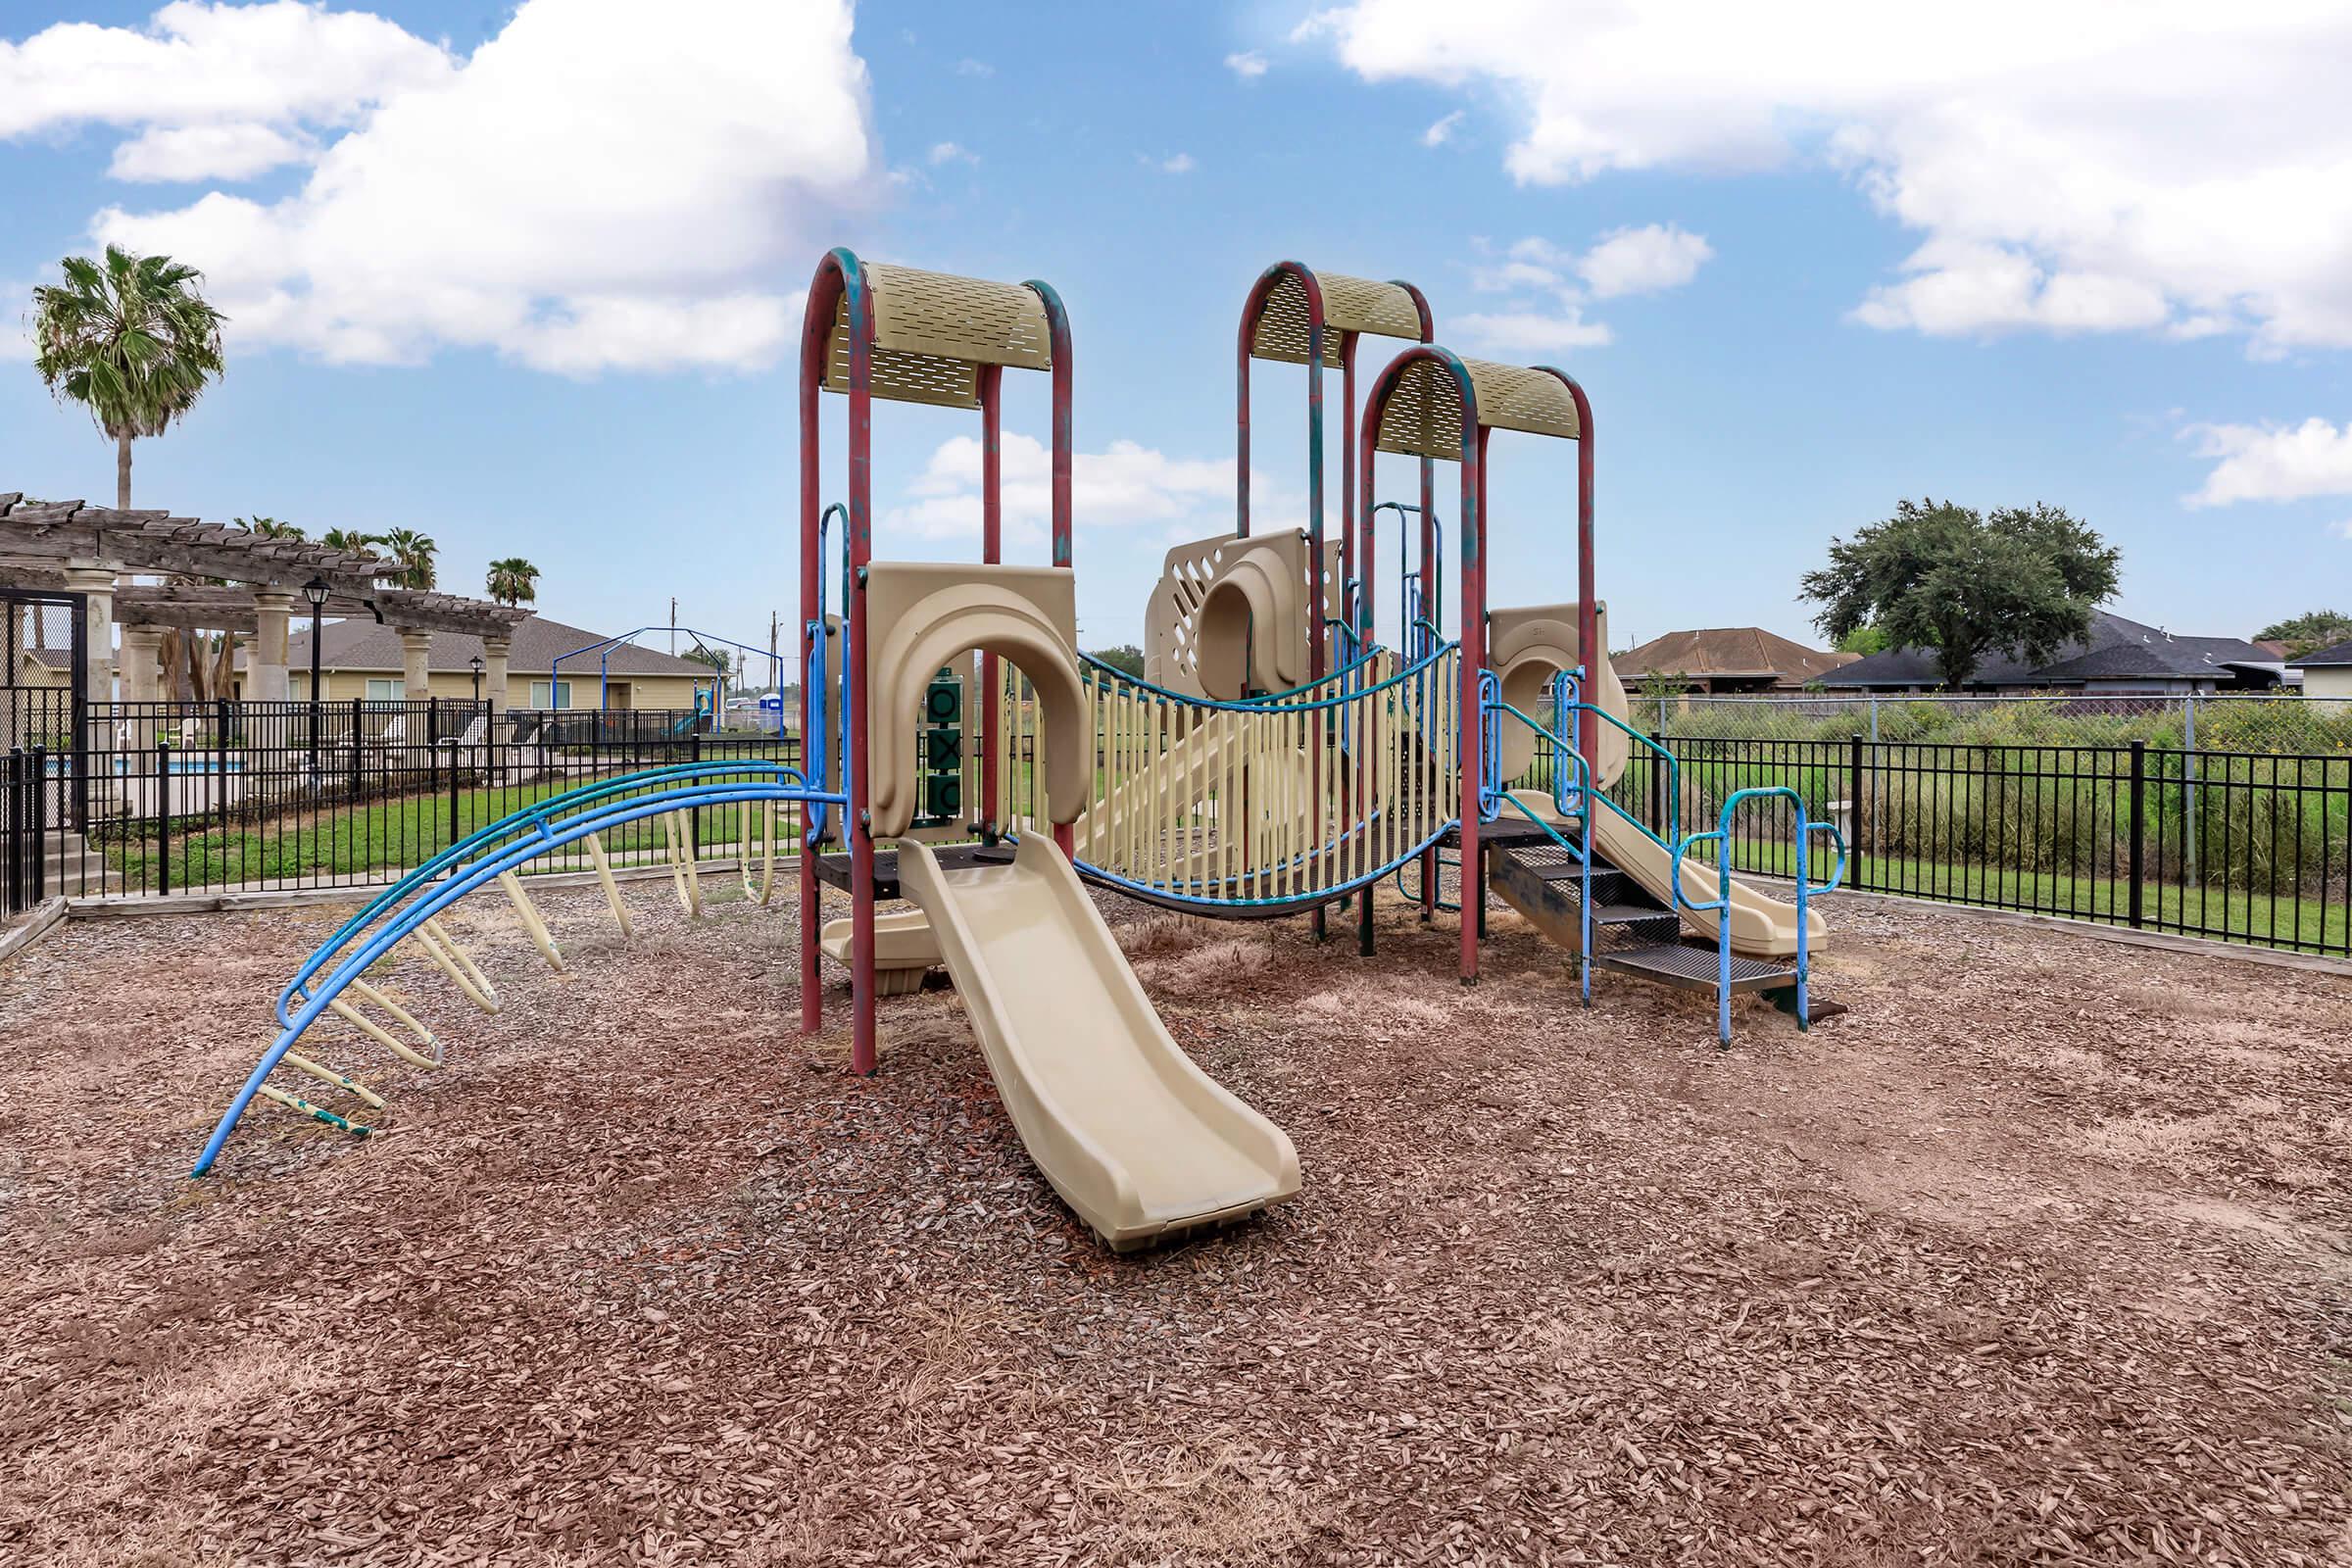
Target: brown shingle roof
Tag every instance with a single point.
(1729, 653)
(538, 643)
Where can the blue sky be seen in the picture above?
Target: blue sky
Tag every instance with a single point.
(527, 277)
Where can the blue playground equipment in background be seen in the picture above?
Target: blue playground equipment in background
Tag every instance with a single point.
(603, 649)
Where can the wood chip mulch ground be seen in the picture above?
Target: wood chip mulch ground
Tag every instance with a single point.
(2037, 1256)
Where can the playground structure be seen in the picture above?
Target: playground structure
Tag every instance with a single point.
(1275, 760)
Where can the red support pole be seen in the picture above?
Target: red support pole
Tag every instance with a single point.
(1058, 325)
(861, 551)
(992, 550)
(816, 335)
(1472, 528)
(1429, 585)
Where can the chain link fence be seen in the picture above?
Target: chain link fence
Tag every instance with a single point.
(2285, 725)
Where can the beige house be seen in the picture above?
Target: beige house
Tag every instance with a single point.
(2329, 672)
(360, 658)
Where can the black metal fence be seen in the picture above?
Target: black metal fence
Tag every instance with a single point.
(2244, 845)
(25, 839)
(188, 797)
(2247, 846)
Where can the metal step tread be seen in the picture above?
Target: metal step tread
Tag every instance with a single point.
(1683, 964)
(1630, 914)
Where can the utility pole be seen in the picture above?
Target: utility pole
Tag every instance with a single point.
(775, 669)
(674, 625)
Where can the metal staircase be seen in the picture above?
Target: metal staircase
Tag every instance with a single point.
(1633, 932)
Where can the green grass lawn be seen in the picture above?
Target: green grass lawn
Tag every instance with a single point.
(348, 843)
(2305, 922)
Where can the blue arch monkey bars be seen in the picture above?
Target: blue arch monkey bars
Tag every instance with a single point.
(405, 908)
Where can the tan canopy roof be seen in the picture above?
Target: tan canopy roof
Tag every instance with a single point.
(1350, 305)
(934, 330)
(1423, 416)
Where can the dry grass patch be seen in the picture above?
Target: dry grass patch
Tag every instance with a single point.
(1190, 1506)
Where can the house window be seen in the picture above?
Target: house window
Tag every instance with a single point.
(551, 693)
(387, 688)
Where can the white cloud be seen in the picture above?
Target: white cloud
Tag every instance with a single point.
(1525, 333)
(1624, 260)
(1441, 132)
(2268, 464)
(2069, 166)
(947, 152)
(1125, 486)
(974, 67)
(584, 192)
(1643, 261)
(1175, 163)
(2342, 531)
(207, 152)
(1248, 65)
(195, 65)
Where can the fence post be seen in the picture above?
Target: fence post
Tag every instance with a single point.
(1853, 808)
(1874, 719)
(163, 814)
(694, 818)
(358, 712)
(220, 764)
(453, 760)
(37, 783)
(12, 828)
(2139, 793)
(2189, 807)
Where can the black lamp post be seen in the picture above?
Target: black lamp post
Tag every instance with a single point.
(475, 664)
(314, 593)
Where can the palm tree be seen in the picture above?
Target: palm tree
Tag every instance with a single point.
(271, 529)
(412, 556)
(129, 338)
(513, 581)
(349, 540)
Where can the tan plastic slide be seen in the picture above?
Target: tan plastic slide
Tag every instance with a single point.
(1136, 1139)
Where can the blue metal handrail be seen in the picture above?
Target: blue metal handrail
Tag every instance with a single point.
(1278, 701)
(1581, 850)
(1720, 904)
(1409, 592)
(827, 732)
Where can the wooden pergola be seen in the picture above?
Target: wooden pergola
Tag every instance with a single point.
(256, 583)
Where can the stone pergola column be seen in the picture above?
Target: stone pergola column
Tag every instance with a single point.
(97, 583)
(415, 667)
(266, 660)
(494, 673)
(143, 672)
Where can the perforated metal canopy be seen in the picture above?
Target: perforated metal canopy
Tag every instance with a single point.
(933, 330)
(1350, 305)
(1423, 416)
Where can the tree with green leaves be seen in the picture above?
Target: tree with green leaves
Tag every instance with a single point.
(2022, 581)
(413, 555)
(513, 581)
(132, 340)
(1126, 658)
(350, 540)
(2309, 632)
(1863, 640)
